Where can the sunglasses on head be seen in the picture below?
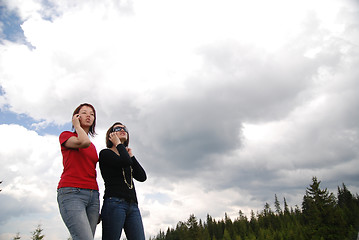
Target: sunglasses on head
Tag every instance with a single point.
(118, 129)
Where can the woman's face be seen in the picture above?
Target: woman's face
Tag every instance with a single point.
(121, 131)
(87, 116)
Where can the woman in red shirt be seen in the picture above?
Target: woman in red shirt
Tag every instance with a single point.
(77, 192)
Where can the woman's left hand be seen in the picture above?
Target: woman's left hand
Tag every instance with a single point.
(129, 150)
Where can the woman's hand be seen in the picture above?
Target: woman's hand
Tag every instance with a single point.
(129, 150)
(123, 138)
(114, 139)
(76, 120)
(81, 140)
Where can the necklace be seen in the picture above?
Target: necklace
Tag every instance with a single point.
(130, 186)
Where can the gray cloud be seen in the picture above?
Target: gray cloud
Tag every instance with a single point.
(225, 119)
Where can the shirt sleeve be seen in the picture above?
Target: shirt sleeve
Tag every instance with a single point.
(109, 158)
(64, 136)
(138, 172)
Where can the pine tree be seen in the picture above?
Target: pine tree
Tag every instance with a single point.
(350, 209)
(254, 223)
(286, 209)
(193, 228)
(37, 234)
(226, 235)
(321, 216)
(278, 210)
(17, 237)
(228, 225)
(241, 225)
(210, 226)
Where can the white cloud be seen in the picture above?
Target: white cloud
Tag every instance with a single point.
(31, 166)
(228, 103)
(30, 163)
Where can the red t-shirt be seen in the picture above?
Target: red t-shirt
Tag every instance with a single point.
(79, 165)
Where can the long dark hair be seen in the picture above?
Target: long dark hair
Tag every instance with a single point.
(109, 144)
(92, 128)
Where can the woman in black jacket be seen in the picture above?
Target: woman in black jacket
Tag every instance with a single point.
(118, 168)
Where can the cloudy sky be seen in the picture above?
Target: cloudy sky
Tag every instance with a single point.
(228, 102)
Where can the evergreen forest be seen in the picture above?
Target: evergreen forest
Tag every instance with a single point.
(322, 216)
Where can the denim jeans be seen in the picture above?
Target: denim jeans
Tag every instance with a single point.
(116, 214)
(79, 209)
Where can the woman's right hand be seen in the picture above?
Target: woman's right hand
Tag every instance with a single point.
(114, 139)
(76, 120)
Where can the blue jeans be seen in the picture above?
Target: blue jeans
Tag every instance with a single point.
(116, 214)
(79, 209)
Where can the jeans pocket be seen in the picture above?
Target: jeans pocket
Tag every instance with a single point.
(68, 190)
(115, 200)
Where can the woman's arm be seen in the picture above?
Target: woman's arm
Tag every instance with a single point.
(82, 140)
(138, 172)
(110, 158)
